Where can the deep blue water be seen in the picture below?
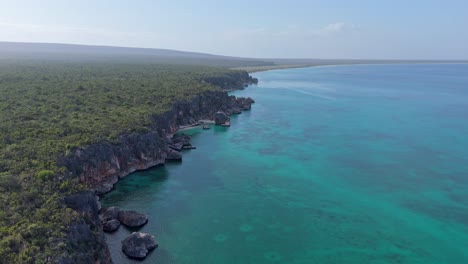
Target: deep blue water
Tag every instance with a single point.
(341, 164)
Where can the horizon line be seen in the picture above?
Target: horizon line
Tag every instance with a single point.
(218, 55)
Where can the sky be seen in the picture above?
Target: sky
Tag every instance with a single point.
(333, 29)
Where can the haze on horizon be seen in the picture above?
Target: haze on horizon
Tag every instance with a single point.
(259, 29)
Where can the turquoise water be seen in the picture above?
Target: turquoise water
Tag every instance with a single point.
(347, 164)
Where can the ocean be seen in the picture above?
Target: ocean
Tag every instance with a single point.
(336, 164)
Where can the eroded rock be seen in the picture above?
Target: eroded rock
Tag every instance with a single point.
(138, 245)
(181, 138)
(132, 218)
(111, 225)
(109, 213)
(174, 155)
(221, 118)
(104, 188)
(176, 146)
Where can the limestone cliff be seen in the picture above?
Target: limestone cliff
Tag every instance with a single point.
(101, 165)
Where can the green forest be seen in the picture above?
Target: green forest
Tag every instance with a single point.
(46, 109)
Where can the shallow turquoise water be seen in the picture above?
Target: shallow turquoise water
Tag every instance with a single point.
(347, 164)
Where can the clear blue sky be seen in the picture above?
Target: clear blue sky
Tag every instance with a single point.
(393, 29)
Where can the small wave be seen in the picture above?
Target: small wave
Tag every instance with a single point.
(312, 94)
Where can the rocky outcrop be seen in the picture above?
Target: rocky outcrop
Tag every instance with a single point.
(176, 146)
(111, 225)
(220, 118)
(232, 81)
(132, 218)
(109, 219)
(112, 217)
(245, 103)
(85, 232)
(109, 213)
(182, 139)
(137, 245)
(174, 155)
(101, 165)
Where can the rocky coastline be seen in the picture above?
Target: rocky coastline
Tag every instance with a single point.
(101, 165)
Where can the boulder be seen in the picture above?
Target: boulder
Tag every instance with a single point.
(137, 245)
(132, 218)
(110, 213)
(174, 155)
(220, 118)
(111, 225)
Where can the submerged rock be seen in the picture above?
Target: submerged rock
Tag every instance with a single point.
(137, 245)
(273, 256)
(132, 218)
(246, 228)
(220, 118)
(220, 238)
(111, 225)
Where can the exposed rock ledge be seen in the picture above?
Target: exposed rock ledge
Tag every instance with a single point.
(101, 165)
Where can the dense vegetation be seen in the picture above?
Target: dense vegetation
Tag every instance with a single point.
(48, 109)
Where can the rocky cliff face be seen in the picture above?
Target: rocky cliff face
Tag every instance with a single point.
(85, 236)
(101, 165)
(232, 81)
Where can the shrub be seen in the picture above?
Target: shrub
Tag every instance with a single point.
(45, 175)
